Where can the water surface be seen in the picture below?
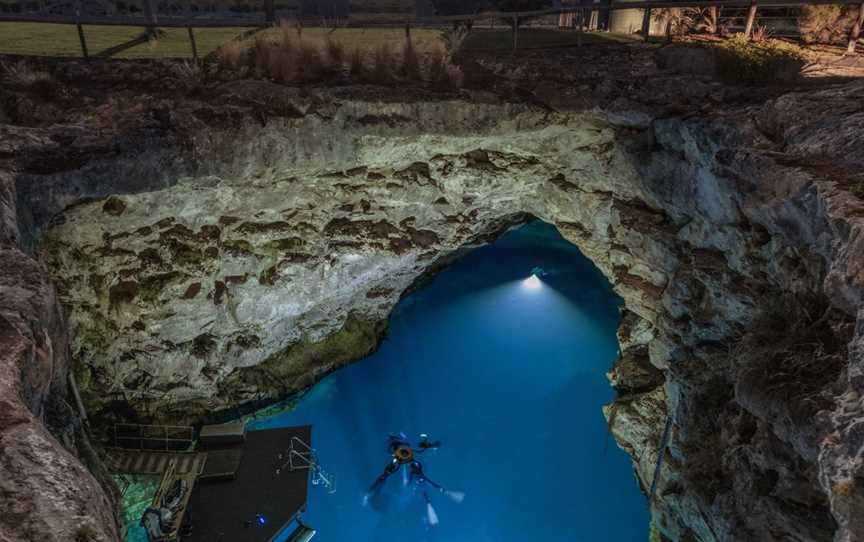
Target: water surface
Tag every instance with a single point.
(508, 372)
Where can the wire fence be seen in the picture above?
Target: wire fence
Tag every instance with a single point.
(217, 21)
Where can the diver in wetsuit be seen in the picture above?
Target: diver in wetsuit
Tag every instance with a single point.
(404, 455)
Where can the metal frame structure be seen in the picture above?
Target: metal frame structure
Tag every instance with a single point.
(301, 456)
(153, 438)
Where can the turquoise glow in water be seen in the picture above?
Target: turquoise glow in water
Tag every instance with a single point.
(509, 374)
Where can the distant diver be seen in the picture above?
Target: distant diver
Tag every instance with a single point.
(403, 455)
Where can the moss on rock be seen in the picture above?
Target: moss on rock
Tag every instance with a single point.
(302, 364)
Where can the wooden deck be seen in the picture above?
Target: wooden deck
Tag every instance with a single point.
(143, 462)
(228, 511)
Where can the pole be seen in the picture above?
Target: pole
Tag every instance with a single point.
(856, 31)
(77, 395)
(81, 37)
(515, 32)
(751, 18)
(82, 40)
(661, 452)
(150, 17)
(192, 43)
(646, 24)
(578, 29)
(269, 12)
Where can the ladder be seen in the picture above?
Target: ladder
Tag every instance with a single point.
(301, 456)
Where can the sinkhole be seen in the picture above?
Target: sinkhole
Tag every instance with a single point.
(502, 357)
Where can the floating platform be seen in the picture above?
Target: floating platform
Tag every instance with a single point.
(263, 496)
(223, 434)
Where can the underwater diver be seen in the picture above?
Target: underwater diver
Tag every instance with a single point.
(403, 455)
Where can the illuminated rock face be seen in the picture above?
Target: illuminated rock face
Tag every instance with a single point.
(279, 256)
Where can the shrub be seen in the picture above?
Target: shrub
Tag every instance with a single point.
(259, 55)
(443, 73)
(335, 51)
(190, 74)
(436, 69)
(740, 60)
(827, 23)
(382, 66)
(356, 67)
(232, 55)
(794, 350)
(455, 76)
(309, 64)
(760, 34)
(453, 38)
(21, 74)
(410, 62)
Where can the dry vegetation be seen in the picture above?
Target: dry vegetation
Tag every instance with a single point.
(289, 57)
(25, 76)
(791, 356)
(827, 23)
(795, 350)
(22, 74)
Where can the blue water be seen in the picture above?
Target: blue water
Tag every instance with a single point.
(509, 374)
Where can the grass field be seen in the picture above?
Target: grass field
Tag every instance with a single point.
(62, 40)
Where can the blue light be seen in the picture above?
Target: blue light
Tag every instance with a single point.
(261, 519)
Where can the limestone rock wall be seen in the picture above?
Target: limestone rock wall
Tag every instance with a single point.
(46, 493)
(244, 255)
(283, 263)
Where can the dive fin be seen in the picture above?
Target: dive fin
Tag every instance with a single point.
(455, 496)
(431, 515)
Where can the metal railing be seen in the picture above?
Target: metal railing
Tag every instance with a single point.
(301, 456)
(153, 438)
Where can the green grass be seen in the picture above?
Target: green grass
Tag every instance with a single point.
(538, 38)
(62, 40)
(772, 60)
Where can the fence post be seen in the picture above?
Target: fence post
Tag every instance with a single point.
(856, 31)
(646, 24)
(82, 40)
(150, 16)
(269, 11)
(577, 18)
(515, 32)
(751, 18)
(192, 43)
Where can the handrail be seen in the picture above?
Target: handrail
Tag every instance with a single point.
(126, 434)
(296, 439)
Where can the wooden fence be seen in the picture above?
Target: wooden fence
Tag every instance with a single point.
(151, 20)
